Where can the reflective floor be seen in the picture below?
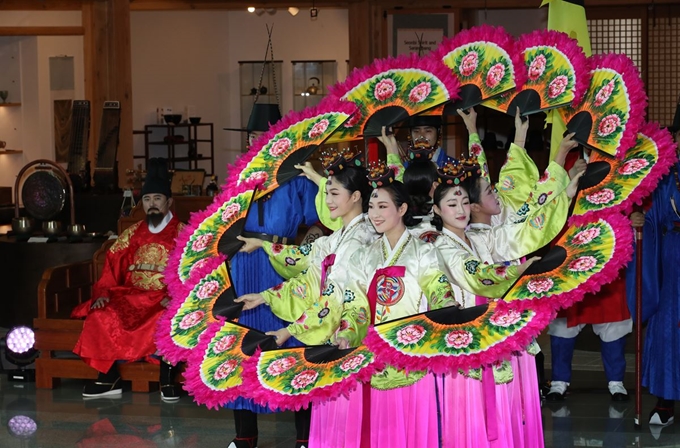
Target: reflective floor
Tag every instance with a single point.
(60, 418)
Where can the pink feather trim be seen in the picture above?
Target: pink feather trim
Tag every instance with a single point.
(623, 252)
(487, 33)
(275, 400)
(171, 272)
(666, 158)
(567, 46)
(193, 383)
(451, 363)
(329, 105)
(411, 61)
(637, 96)
(164, 342)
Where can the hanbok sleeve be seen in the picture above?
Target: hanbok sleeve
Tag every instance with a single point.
(537, 222)
(395, 163)
(322, 208)
(306, 196)
(290, 299)
(289, 260)
(472, 275)
(321, 319)
(652, 239)
(355, 316)
(517, 178)
(113, 273)
(433, 281)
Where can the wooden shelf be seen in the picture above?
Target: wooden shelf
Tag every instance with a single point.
(10, 104)
(10, 151)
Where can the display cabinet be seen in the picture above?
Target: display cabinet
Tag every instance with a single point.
(186, 146)
(311, 80)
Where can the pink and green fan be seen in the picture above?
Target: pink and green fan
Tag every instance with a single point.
(485, 60)
(449, 339)
(557, 74)
(613, 108)
(211, 298)
(583, 259)
(293, 378)
(271, 160)
(214, 372)
(389, 91)
(614, 185)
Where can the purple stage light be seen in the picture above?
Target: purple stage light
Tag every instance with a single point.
(20, 340)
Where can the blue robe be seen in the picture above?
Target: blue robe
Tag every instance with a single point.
(291, 205)
(660, 293)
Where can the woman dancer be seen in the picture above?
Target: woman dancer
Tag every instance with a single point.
(486, 208)
(296, 300)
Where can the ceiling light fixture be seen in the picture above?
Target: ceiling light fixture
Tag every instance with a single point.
(293, 11)
(271, 11)
(259, 11)
(251, 9)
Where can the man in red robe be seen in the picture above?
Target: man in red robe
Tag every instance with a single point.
(128, 299)
(607, 311)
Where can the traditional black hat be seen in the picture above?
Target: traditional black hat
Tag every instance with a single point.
(262, 117)
(157, 179)
(425, 120)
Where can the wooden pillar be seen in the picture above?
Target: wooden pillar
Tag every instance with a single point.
(108, 72)
(367, 32)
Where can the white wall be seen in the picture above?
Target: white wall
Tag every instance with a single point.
(30, 127)
(515, 21)
(182, 58)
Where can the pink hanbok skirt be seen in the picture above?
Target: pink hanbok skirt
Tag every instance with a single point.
(527, 425)
(404, 417)
(465, 420)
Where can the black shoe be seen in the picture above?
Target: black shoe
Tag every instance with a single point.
(170, 393)
(558, 389)
(617, 391)
(98, 389)
(661, 416)
(243, 442)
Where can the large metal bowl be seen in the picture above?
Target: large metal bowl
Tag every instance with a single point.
(22, 226)
(51, 228)
(76, 230)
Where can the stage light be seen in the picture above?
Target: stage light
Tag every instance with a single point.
(271, 11)
(251, 9)
(259, 11)
(22, 426)
(20, 340)
(293, 11)
(20, 351)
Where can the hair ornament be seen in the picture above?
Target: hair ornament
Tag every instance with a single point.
(456, 171)
(335, 160)
(379, 174)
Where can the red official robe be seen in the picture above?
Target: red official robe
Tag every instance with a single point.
(132, 279)
(607, 305)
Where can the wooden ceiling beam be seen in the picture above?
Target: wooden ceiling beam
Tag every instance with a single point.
(169, 5)
(41, 5)
(42, 30)
(389, 5)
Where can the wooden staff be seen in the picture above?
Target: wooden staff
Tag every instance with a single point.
(638, 324)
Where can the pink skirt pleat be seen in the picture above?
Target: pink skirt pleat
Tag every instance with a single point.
(527, 424)
(405, 417)
(464, 419)
(337, 423)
